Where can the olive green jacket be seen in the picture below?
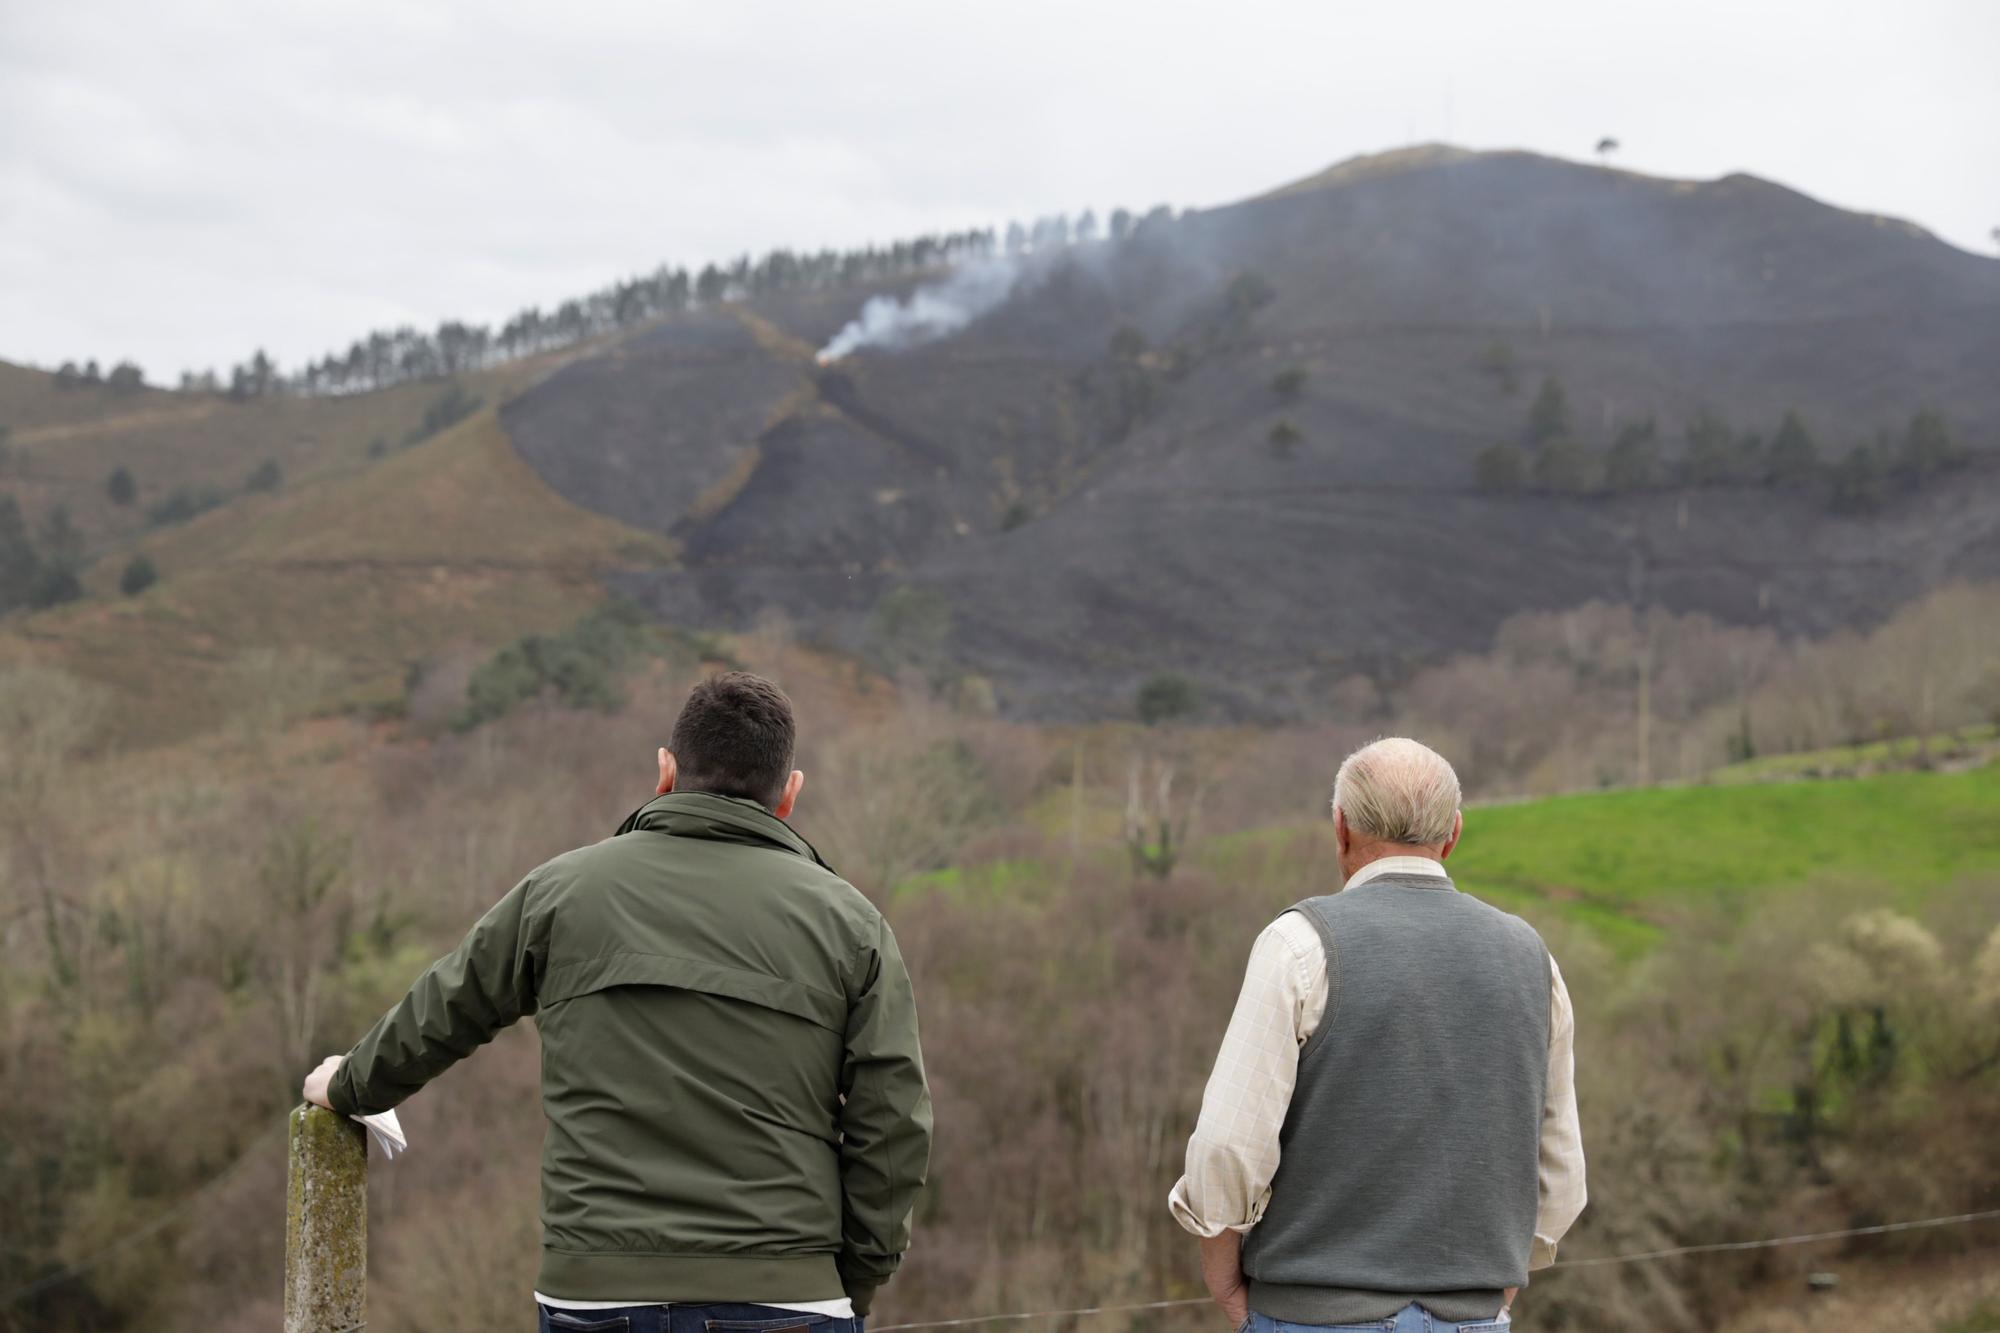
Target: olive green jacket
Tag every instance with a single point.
(735, 1097)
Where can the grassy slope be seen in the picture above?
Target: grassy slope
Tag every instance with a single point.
(1638, 856)
(1625, 863)
(65, 443)
(367, 564)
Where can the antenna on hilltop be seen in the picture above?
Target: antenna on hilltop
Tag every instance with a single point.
(1605, 148)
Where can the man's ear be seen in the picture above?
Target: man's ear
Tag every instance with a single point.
(1457, 827)
(1340, 835)
(669, 770)
(793, 784)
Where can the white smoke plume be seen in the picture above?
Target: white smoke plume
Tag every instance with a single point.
(932, 311)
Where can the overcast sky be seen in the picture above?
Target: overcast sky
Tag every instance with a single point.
(184, 180)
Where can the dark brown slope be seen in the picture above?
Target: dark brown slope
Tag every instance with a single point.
(1091, 519)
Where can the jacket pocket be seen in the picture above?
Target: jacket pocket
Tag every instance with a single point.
(576, 1323)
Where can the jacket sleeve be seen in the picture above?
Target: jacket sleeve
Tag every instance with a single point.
(885, 1125)
(454, 1008)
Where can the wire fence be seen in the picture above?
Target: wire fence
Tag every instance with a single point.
(1595, 1261)
(187, 1205)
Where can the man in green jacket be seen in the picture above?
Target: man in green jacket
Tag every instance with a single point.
(738, 1123)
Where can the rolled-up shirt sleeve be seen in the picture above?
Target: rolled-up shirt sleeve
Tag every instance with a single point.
(1562, 1193)
(1233, 1153)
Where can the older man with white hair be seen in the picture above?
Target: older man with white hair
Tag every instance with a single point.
(1389, 1139)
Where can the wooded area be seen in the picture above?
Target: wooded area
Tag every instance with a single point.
(1815, 1053)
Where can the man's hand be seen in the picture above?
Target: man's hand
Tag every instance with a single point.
(1507, 1299)
(1222, 1271)
(315, 1089)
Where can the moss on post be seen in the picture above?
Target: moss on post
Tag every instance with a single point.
(326, 1224)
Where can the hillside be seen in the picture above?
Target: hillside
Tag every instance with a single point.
(378, 546)
(1090, 515)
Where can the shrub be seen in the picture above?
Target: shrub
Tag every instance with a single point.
(1284, 439)
(20, 564)
(120, 487)
(182, 504)
(1165, 697)
(139, 575)
(578, 668)
(1289, 383)
(267, 476)
(1248, 292)
(59, 572)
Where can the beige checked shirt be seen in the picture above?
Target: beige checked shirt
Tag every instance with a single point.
(1234, 1151)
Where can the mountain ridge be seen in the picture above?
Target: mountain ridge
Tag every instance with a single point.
(1044, 486)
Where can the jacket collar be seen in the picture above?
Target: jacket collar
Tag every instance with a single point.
(700, 814)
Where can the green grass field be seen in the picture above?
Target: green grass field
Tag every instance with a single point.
(1626, 863)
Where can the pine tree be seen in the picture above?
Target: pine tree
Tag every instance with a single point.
(1928, 446)
(1794, 456)
(1548, 416)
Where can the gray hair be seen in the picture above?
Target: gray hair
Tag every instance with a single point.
(1398, 790)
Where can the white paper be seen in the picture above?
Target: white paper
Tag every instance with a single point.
(387, 1132)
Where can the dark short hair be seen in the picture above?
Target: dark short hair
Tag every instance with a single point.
(734, 737)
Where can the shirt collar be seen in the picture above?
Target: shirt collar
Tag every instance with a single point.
(1397, 865)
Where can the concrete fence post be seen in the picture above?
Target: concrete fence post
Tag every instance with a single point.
(326, 1224)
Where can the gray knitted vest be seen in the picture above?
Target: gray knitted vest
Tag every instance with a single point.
(1412, 1147)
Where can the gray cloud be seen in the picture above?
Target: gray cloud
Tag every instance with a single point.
(181, 181)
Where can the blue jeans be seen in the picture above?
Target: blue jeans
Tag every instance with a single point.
(690, 1319)
(1409, 1319)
